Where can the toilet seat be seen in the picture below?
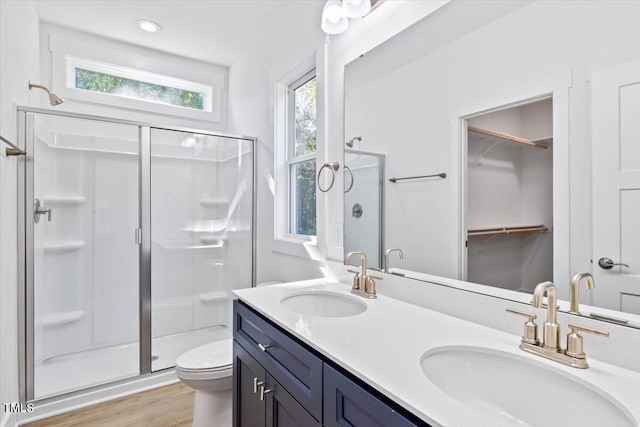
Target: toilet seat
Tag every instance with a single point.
(209, 361)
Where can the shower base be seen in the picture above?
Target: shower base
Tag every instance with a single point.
(70, 372)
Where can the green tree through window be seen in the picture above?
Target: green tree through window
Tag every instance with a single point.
(129, 88)
(304, 173)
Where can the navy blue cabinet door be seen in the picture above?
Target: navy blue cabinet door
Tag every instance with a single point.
(248, 377)
(283, 410)
(347, 404)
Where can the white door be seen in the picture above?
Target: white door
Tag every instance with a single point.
(615, 116)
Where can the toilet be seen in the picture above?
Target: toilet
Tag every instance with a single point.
(208, 370)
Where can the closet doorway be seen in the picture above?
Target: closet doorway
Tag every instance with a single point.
(509, 196)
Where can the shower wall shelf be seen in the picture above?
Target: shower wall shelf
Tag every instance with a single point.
(60, 319)
(62, 247)
(63, 200)
(507, 230)
(213, 297)
(212, 203)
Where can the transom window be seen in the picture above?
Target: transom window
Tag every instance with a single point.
(125, 82)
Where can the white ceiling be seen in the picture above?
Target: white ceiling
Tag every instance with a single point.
(215, 31)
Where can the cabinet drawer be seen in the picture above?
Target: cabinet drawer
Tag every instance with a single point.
(347, 404)
(297, 369)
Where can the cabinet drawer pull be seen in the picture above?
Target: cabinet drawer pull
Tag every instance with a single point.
(264, 347)
(263, 392)
(256, 383)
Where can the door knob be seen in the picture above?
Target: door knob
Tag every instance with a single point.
(608, 264)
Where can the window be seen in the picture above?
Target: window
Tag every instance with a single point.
(132, 81)
(125, 82)
(301, 155)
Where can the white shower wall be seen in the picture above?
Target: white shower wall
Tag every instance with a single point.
(86, 263)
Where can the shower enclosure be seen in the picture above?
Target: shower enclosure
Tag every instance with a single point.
(131, 240)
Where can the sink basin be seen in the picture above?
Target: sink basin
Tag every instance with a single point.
(510, 390)
(323, 304)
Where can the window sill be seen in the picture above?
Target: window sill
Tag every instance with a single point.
(306, 248)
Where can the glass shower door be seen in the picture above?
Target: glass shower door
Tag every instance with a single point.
(201, 238)
(82, 208)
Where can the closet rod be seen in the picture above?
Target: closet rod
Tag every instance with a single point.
(14, 150)
(506, 230)
(441, 175)
(511, 138)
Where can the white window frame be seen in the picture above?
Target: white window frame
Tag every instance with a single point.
(293, 160)
(73, 63)
(284, 241)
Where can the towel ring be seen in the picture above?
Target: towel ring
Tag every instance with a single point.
(348, 169)
(333, 167)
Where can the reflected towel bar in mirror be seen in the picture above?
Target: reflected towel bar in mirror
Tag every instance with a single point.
(441, 175)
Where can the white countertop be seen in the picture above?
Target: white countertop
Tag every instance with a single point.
(384, 345)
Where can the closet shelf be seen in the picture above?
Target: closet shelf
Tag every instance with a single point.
(62, 247)
(507, 230)
(503, 137)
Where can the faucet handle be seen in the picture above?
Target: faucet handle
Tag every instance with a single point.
(357, 273)
(530, 327)
(575, 342)
(375, 277)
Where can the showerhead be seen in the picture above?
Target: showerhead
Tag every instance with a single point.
(53, 98)
(352, 140)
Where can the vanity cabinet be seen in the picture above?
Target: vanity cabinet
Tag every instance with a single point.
(348, 404)
(278, 381)
(259, 400)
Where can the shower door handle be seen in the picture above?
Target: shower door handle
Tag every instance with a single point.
(38, 210)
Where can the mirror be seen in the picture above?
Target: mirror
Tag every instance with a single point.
(501, 162)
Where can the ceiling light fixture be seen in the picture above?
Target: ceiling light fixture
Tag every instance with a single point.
(355, 8)
(333, 21)
(148, 26)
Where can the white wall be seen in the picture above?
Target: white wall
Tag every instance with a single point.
(287, 42)
(495, 62)
(19, 57)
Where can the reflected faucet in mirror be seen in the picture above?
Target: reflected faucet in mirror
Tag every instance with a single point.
(386, 258)
(574, 291)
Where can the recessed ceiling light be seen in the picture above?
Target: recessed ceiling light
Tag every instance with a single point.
(148, 26)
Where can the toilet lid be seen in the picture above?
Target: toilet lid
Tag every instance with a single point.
(215, 355)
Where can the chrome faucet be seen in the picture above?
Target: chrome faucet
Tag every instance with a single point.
(386, 258)
(550, 348)
(574, 290)
(363, 284)
(551, 332)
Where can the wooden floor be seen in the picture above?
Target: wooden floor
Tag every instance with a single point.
(170, 406)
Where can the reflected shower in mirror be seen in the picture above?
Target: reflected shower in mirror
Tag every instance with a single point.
(541, 178)
(363, 202)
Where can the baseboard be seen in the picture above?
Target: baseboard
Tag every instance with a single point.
(9, 420)
(53, 407)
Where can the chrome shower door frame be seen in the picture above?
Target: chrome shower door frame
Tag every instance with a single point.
(25, 223)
